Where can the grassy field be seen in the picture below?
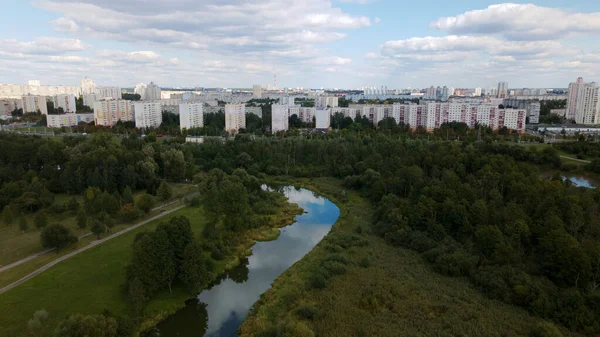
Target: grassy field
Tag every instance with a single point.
(87, 283)
(384, 291)
(16, 245)
(90, 282)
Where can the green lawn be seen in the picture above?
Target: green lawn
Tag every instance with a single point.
(394, 293)
(87, 283)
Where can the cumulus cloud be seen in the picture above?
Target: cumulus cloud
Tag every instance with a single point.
(521, 22)
(43, 46)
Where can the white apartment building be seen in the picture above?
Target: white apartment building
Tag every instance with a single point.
(436, 114)
(31, 103)
(66, 102)
(109, 112)
(140, 89)
(307, 115)
(279, 118)
(89, 100)
(70, 119)
(147, 115)
(7, 106)
(87, 86)
(107, 93)
(588, 105)
(575, 92)
(287, 100)
(256, 91)
(502, 91)
(235, 117)
(322, 118)
(326, 102)
(152, 92)
(190, 115)
(20, 90)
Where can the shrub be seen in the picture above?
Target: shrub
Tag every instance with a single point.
(545, 329)
(317, 280)
(217, 254)
(334, 268)
(365, 263)
(308, 312)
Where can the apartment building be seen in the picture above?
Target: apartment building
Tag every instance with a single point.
(147, 114)
(31, 103)
(109, 112)
(235, 117)
(67, 120)
(66, 102)
(279, 118)
(191, 115)
(326, 102)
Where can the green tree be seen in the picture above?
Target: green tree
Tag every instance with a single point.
(41, 220)
(8, 214)
(82, 221)
(37, 324)
(87, 326)
(23, 225)
(165, 191)
(193, 271)
(128, 213)
(73, 204)
(145, 202)
(128, 196)
(56, 236)
(98, 228)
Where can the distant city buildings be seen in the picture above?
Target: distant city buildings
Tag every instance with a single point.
(109, 112)
(256, 91)
(67, 120)
(583, 103)
(87, 86)
(147, 114)
(279, 118)
(31, 103)
(7, 106)
(191, 115)
(326, 102)
(235, 117)
(152, 92)
(107, 93)
(287, 100)
(66, 102)
(502, 91)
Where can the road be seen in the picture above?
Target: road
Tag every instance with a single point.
(82, 249)
(34, 256)
(575, 159)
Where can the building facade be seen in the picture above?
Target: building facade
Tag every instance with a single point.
(502, 91)
(326, 102)
(69, 119)
(279, 118)
(152, 92)
(31, 103)
(575, 92)
(256, 91)
(235, 117)
(66, 102)
(190, 115)
(109, 112)
(147, 114)
(107, 93)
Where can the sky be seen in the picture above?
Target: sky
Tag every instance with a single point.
(304, 43)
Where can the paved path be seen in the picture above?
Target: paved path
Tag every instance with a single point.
(82, 249)
(34, 256)
(575, 159)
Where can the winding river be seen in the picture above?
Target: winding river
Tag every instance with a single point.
(219, 311)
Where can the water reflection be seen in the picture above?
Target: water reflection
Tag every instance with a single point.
(579, 181)
(228, 303)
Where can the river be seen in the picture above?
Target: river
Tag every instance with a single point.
(219, 311)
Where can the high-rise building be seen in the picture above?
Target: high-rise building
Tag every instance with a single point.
(66, 102)
(477, 92)
(190, 115)
(7, 106)
(152, 92)
(502, 90)
(322, 117)
(108, 92)
(87, 86)
(287, 100)
(279, 118)
(235, 117)
(109, 112)
(35, 83)
(147, 114)
(326, 102)
(140, 89)
(256, 91)
(33, 103)
(575, 93)
(588, 105)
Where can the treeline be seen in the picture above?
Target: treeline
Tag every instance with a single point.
(476, 210)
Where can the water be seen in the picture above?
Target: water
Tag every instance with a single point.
(218, 312)
(580, 181)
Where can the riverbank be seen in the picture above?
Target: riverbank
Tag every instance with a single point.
(91, 282)
(354, 284)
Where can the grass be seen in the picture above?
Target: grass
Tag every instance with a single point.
(375, 289)
(87, 283)
(16, 245)
(91, 281)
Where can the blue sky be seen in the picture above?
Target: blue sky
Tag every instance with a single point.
(307, 43)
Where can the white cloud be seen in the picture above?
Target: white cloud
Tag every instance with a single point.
(43, 46)
(521, 22)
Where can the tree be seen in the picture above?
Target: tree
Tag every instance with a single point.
(81, 219)
(127, 196)
(73, 204)
(87, 326)
(23, 225)
(8, 214)
(37, 323)
(41, 220)
(128, 213)
(98, 228)
(193, 272)
(145, 202)
(56, 236)
(165, 191)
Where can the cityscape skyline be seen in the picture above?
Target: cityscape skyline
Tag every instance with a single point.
(310, 43)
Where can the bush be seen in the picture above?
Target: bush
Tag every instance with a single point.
(56, 236)
(217, 254)
(317, 280)
(365, 263)
(128, 213)
(57, 208)
(308, 312)
(195, 202)
(545, 329)
(334, 268)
